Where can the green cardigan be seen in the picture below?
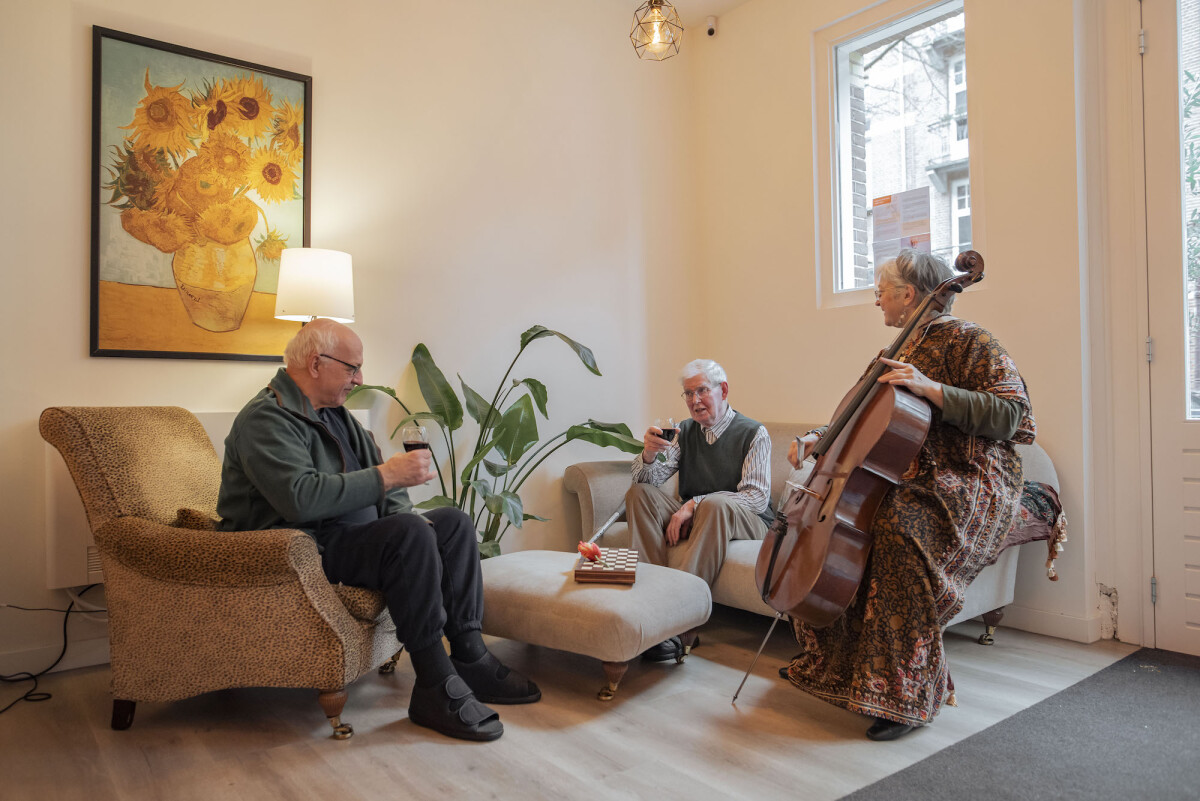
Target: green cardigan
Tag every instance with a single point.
(284, 469)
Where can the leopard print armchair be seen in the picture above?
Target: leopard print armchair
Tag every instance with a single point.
(193, 609)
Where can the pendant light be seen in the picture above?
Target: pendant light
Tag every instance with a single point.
(656, 32)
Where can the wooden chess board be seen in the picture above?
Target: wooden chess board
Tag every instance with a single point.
(619, 567)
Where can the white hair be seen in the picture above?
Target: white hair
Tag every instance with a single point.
(309, 341)
(713, 373)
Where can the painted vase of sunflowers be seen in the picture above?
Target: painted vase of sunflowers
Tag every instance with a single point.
(184, 179)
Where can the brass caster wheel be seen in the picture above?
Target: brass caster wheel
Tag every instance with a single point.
(607, 692)
(389, 667)
(986, 638)
(341, 731)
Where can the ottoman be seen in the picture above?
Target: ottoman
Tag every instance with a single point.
(532, 596)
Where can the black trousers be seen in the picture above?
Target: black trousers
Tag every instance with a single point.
(427, 567)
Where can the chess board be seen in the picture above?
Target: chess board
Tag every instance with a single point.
(621, 567)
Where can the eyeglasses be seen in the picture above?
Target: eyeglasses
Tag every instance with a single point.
(879, 292)
(354, 369)
(700, 393)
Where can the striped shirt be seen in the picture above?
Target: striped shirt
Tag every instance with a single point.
(753, 491)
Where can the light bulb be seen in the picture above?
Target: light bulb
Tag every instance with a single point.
(661, 39)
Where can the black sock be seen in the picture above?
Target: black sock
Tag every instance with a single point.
(467, 646)
(431, 665)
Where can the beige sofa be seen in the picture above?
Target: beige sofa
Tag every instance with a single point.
(600, 488)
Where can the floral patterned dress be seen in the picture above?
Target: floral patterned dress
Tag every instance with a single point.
(933, 533)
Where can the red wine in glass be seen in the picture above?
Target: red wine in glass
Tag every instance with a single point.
(669, 434)
(416, 446)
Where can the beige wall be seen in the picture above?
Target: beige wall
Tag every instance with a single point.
(496, 177)
(484, 170)
(754, 132)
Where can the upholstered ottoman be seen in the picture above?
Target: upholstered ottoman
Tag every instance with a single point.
(532, 596)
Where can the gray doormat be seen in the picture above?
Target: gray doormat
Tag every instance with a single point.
(1129, 731)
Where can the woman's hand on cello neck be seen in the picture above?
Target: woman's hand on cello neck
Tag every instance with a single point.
(912, 379)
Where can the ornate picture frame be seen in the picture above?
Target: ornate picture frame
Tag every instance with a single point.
(200, 179)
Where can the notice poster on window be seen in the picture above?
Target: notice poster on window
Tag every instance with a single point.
(900, 221)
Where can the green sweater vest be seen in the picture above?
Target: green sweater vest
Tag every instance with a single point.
(705, 468)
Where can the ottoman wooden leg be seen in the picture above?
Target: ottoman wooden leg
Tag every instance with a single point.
(613, 671)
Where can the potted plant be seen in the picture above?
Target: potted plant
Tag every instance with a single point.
(508, 446)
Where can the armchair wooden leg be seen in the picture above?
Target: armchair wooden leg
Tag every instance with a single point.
(332, 701)
(389, 667)
(122, 714)
(990, 621)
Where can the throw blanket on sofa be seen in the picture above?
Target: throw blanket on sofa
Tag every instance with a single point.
(1040, 518)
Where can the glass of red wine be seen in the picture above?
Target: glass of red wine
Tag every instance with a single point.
(414, 437)
(669, 429)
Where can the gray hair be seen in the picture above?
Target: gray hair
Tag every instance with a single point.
(922, 271)
(309, 341)
(713, 373)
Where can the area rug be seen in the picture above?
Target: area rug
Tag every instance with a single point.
(1129, 731)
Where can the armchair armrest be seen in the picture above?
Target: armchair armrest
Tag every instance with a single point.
(217, 558)
(600, 487)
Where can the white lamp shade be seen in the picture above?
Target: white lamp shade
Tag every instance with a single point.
(315, 283)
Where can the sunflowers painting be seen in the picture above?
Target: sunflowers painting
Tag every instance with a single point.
(200, 183)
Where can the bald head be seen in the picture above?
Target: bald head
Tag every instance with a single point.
(325, 359)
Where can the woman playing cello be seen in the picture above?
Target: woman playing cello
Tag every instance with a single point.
(937, 528)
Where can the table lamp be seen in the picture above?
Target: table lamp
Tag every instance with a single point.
(315, 283)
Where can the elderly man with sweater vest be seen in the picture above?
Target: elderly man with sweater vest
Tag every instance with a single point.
(724, 463)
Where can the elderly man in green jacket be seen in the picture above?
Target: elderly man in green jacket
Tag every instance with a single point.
(295, 458)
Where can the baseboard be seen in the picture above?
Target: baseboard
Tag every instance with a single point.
(1052, 624)
(80, 653)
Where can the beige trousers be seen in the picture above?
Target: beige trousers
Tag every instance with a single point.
(718, 520)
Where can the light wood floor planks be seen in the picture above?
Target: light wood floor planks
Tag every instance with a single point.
(671, 732)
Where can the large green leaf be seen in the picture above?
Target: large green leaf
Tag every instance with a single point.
(489, 548)
(436, 390)
(607, 439)
(436, 502)
(478, 406)
(619, 428)
(517, 430)
(496, 469)
(508, 504)
(482, 488)
(584, 352)
(538, 390)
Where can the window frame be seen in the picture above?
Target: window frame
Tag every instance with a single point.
(830, 94)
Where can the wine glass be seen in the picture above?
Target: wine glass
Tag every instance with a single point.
(414, 437)
(668, 428)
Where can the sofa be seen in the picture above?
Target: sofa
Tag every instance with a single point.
(600, 488)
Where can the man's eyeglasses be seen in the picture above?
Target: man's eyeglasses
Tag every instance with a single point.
(700, 392)
(354, 369)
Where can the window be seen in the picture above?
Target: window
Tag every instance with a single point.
(960, 216)
(898, 123)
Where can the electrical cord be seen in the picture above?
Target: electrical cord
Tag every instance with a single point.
(32, 694)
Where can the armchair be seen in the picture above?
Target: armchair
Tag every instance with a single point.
(193, 609)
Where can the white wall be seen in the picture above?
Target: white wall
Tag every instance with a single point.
(484, 169)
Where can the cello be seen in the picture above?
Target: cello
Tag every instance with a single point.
(814, 556)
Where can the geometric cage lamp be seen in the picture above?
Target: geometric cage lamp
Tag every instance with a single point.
(315, 283)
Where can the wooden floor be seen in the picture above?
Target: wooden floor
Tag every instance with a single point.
(671, 733)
